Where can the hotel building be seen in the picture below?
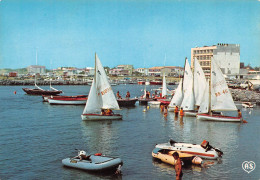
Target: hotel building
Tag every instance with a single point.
(227, 57)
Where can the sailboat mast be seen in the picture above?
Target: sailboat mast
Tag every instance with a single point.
(95, 68)
(210, 80)
(35, 69)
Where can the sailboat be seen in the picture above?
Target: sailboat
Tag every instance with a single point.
(39, 91)
(177, 98)
(190, 91)
(219, 98)
(101, 96)
(188, 94)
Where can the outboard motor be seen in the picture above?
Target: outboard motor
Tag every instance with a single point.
(172, 142)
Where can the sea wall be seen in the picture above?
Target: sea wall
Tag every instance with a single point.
(246, 95)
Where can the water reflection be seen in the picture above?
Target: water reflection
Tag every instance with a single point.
(100, 136)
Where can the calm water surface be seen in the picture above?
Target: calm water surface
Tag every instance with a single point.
(36, 136)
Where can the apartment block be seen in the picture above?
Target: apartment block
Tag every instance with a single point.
(227, 57)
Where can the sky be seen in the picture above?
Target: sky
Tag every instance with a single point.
(144, 33)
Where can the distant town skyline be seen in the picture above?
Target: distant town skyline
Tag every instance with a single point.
(142, 33)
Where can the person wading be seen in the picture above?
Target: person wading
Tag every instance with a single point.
(176, 111)
(178, 166)
(181, 112)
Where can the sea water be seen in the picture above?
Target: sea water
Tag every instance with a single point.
(35, 136)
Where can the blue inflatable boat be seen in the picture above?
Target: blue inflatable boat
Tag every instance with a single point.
(94, 163)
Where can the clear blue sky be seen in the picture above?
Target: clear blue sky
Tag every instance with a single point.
(138, 32)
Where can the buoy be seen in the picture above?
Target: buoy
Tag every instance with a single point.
(144, 110)
(98, 154)
(197, 160)
(14, 92)
(148, 107)
(244, 121)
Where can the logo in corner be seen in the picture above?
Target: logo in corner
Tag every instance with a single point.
(248, 166)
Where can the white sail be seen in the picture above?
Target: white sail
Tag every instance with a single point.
(188, 99)
(103, 87)
(188, 95)
(221, 99)
(164, 87)
(188, 77)
(178, 96)
(101, 95)
(94, 102)
(204, 105)
(199, 83)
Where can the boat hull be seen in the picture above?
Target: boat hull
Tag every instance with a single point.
(166, 156)
(91, 117)
(208, 117)
(39, 92)
(97, 163)
(192, 149)
(144, 101)
(127, 102)
(68, 100)
(190, 113)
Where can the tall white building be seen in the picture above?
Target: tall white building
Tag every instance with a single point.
(227, 57)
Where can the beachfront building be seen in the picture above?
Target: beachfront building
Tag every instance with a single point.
(143, 71)
(130, 68)
(227, 57)
(118, 72)
(172, 71)
(36, 69)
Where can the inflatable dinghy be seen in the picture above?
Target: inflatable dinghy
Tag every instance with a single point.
(94, 163)
(165, 155)
(204, 150)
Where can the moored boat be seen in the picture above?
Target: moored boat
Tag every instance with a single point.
(95, 163)
(68, 100)
(127, 101)
(205, 150)
(40, 92)
(247, 105)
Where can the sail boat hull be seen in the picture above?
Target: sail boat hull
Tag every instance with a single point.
(208, 117)
(91, 117)
(191, 113)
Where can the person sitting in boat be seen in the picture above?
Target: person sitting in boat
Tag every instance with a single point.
(108, 112)
(102, 112)
(239, 114)
(127, 95)
(178, 166)
(83, 156)
(118, 95)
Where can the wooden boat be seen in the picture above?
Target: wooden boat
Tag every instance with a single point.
(144, 101)
(156, 82)
(218, 98)
(165, 155)
(247, 105)
(40, 92)
(101, 96)
(95, 163)
(127, 101)
(68, 100)
(205, 150)
(154, 103)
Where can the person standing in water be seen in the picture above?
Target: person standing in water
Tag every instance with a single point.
(178, 166)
